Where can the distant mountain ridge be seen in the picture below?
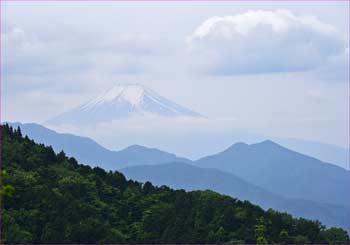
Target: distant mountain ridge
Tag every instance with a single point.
(265, 164)
(189, 177)
(59, 201)
(88, 151)
(121, 102)
(283, 172)
(266, 161)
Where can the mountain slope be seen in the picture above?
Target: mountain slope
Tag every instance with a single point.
(337, 155)
(266, 164)
(120, 102)
(184, 176)
(89, 152)
(58, 201)
(284, 172)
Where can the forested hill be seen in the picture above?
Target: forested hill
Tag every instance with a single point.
(49, 198)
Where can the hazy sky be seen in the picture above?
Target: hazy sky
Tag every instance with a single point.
(279, 69)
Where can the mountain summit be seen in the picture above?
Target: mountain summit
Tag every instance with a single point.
(121, 102)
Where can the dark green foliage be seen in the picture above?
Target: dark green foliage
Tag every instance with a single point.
(57, 200)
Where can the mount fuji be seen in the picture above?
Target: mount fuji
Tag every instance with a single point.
(123, 101)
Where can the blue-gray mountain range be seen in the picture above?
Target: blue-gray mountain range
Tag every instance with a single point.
(283, 171)
(263, 173)
(88, 151)
(188, 177)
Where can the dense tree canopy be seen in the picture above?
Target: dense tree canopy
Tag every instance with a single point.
(50, 198)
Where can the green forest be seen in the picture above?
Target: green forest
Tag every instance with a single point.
(51, 198)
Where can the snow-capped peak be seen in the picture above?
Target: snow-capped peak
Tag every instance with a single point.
(124, 101)
(129, 93)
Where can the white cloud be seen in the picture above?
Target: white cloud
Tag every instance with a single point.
(70, 51)
(263, 42)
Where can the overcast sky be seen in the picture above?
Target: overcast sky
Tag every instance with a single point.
(279, 69)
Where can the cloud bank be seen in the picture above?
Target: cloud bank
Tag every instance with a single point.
(47, 53)
(263, 42)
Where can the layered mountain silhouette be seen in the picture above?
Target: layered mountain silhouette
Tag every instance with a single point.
(264, 173)
(121, 102)
(188, 177)
(88, 151)
(284, 172)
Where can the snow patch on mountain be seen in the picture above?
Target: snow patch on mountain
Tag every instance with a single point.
(123, 101)
(132, 94)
